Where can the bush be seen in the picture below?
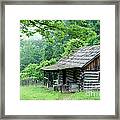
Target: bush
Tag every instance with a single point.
(34, 70)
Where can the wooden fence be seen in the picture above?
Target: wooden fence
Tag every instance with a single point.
(30, 82)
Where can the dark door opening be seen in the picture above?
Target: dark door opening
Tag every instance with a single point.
(64, 76)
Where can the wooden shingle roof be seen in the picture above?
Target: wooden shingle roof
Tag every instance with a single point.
(79, 59)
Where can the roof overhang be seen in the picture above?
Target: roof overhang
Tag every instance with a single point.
(57, 67)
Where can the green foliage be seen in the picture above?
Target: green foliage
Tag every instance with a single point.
(81, 40)
(30, 52)
(24, 76)
(61, 31)
(46, 63)
(33, 71)
(30, 72)
(44, 42)
(71, 46)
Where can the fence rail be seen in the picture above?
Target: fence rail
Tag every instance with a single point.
(30, 82)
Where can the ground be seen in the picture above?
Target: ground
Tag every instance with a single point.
(42, 93)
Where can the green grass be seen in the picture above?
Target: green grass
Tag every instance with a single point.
(42, 93)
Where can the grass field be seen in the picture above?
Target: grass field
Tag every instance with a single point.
(42, 93)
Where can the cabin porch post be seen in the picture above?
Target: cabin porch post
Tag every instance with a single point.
(44, 81)
(82, 77)
(49, 83)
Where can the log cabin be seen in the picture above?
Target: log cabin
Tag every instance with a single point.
(79, 71)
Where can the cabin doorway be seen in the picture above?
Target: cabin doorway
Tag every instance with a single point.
(64, 76)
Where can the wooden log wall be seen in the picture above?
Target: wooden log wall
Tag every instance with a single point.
(60, 77)
(74, 76)
(91, 80)
(94, 65)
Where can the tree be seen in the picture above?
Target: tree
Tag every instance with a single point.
(49, 40)
(59, 30)
(34, 70)
(31, 51)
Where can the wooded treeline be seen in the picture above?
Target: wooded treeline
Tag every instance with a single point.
(44, 42)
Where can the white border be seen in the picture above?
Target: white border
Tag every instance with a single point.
(106, 15)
